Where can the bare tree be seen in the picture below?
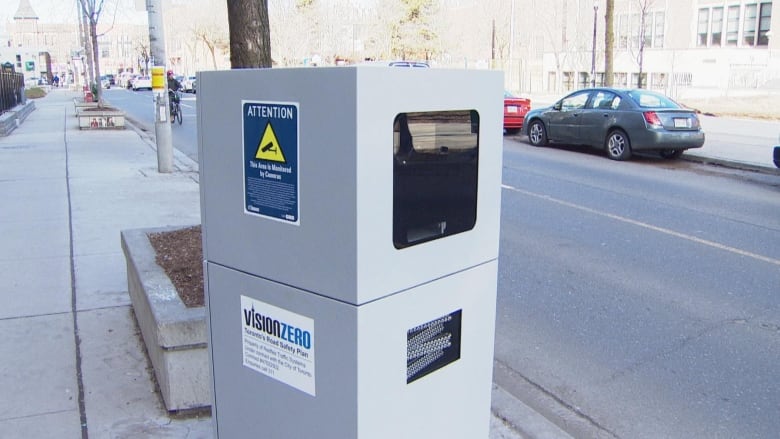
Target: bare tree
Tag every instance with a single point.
(144, 53)
(644, 10)
(207, 26)
(213, 40)
(86, 43)
(250, 36)
(91, 10)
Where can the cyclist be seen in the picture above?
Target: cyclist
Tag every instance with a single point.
(173, 90)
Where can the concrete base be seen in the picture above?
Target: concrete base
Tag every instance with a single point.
(11, 119)
(81, 105)
(101, 120)
(175, 336)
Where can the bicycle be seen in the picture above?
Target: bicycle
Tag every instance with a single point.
(174, 99)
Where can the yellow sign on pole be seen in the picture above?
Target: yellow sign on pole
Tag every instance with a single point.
(158, 78)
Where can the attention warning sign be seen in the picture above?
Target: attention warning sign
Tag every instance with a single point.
(269, 148)
(271, 161)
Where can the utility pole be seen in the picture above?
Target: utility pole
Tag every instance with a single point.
(593, 52)
(493, 46)
(162, 125)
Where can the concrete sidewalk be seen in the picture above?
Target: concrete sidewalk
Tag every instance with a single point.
(73, 361)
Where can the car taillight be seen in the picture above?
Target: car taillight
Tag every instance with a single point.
(651, 117)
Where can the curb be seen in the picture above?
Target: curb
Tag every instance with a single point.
(521, 418)
(181, 161)
(733, 164)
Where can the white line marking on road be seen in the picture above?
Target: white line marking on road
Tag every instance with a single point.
(708, 243)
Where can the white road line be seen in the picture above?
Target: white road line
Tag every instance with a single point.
(648, 226)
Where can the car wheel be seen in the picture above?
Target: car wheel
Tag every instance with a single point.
(618, 145)
(537, 135)
(672, 153)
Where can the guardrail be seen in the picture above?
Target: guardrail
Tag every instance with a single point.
(11, 90)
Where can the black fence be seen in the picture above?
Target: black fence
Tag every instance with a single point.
(11, 90)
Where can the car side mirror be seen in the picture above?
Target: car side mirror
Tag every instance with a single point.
(557, 106)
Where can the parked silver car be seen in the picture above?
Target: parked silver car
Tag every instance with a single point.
(619, 121)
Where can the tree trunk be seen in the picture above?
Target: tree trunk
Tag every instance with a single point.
(96, 57)
(212, 50)
(89, 70)
(609, 44)
(250, 35)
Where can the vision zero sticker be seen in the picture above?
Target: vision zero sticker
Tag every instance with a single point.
(271, 168)
(278, 343)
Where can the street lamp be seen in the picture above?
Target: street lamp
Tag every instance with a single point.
(593, 52)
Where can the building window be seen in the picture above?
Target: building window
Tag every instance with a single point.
(763, 24)
(635, 80)
(683, 79)
(584, 80)
(599, 79)
(658, 33)
(568, 81)
(630, 31)
(703, 27)
(635, 18)
(621, 79)
(716, 34)
(648, 32)
(755, 24)
(622, 33)
(749, 26)
(659, 80)
(732, 26)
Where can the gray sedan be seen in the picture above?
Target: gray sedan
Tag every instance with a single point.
(619, 121)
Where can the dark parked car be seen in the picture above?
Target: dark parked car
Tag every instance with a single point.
(515, 109)
(776, 154)
(619, 121)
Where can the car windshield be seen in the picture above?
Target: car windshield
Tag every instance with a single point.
(649, 99)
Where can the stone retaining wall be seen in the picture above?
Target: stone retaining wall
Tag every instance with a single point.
(175, 336)
(14, 117)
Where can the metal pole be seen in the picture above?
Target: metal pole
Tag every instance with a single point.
(593, 52)
(162, 125)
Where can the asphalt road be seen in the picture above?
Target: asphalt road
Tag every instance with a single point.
(639, 299)
(636, 299)
(139, 106)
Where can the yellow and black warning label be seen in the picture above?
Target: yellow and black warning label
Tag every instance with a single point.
(269, 147)
(271, 160)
